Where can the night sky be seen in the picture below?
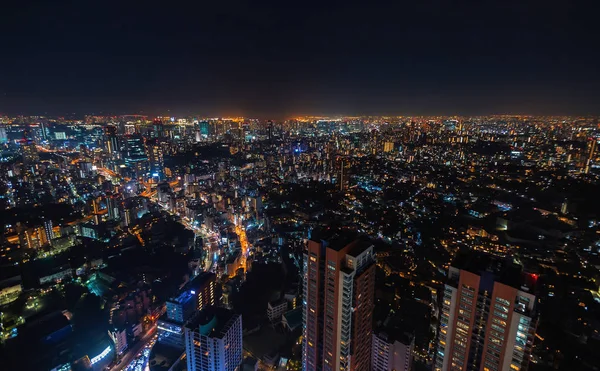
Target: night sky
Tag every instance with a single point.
(282, 58)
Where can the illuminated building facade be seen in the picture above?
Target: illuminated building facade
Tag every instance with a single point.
(213, 341)
(343, 173)
(392, 353)
(388, 147)
(30, 152)
(488, 318)
(3, 135)
(338, 304)
(591, 148)
(112, 206)
(197, 295)
(48, 231)
(155, 158)
(205, 128)
(134, 149)
(158, 129)
(111, 140)
(205, 288)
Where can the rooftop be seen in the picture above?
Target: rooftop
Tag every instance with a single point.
(335, 238)
(294, 317)
(504, 270)
(200, 280)
(183, 297)
(212, 321)
(395, 333)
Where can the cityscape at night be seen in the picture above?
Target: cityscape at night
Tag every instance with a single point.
(288, 186)
(358, 243)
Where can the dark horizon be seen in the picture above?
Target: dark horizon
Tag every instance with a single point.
(272, 60)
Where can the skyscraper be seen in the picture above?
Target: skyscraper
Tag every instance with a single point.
(270, 131)
(488, 317)
(29, 152)
(134, 147)
(591, 148)
(135, 154)
(205, 128)
(213, 340)
(49, 232)
(111, 139)
(197, 295)
(112, 206)
(339, 277)
(342, 167)
(3, 134)
(155, 158)
(44, 131)
(158, 129)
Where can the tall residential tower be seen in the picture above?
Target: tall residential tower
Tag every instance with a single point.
(488, 317)
(339, 278)
(213, 341)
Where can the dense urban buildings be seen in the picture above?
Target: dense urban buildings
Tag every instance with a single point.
(313, 243)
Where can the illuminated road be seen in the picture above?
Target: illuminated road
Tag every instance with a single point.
(148, 191)
(107, 172)
(130, 361)
(44, 149)
(241, 232)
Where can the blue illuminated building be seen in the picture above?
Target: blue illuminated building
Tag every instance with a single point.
(205, 128)
(182, 307)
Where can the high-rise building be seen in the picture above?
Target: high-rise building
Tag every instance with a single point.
(134, 147)
(392, 351)
(29, 152)
(119, 338)
(564, 207)
(48, 231)
(111, 139)
(158, 129)
(197, 295)
(155, 158)
(388, 147)
(182, 307)
(205, 288)
(205, 128)
(488, 317)
(112, 206)
(44, 132)
(270, 131)
(338, 278)
(170, 326)
(342, 167)
(591, 148)
(3, 134)
(135, 154)
(213, 340)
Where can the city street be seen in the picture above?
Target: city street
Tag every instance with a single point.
(130, 359)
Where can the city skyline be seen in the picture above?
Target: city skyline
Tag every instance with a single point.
(300, 186)
(353, 243)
